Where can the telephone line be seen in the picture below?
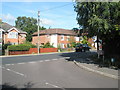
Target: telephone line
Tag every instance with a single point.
(56, 7)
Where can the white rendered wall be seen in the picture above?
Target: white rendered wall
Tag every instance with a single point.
(53, 40)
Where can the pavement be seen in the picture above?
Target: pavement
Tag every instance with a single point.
(87, 64)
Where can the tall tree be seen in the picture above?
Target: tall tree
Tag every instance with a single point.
(27, 24)
(102, 19)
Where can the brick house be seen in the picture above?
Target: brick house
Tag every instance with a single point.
(56, 37)
(11, 34)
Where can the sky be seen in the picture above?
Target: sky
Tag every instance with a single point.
(52, 14)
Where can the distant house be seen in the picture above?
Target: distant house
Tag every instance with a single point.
(56, 37)
(11, 34)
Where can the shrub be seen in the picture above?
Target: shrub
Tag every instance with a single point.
(47, 45)
(29, 43)
(21, 47)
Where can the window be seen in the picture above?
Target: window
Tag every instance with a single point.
(68, 38)
(13, 35)
(62, 37)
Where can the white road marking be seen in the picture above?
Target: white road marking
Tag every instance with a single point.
(31, 62)
(52, 85)
(20, 63)
(54, 59)
(18, 73)
(47, 60)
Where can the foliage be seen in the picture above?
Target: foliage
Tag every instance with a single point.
(98, 16)
(101, 19)
(76, 30)
(73, 44)
(21, 47)
(85, 40)
(47, 45)
(29, 43)
(27, 24)
(4, 46)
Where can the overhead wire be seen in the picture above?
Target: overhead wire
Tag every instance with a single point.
(56, 7)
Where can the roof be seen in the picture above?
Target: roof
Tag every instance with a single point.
(6, 27)
(57, 31)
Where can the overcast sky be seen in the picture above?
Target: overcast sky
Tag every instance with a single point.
(52, 14)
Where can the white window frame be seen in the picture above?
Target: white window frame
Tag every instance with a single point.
(13, 35)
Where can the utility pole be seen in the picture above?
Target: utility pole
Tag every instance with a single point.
(38, 31)
(98, 44)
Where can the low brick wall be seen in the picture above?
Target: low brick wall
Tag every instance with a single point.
(45, 50)
(18, 52)
(33, 50)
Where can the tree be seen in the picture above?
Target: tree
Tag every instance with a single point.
(27, 24)
(85, 40)
(101, 19)
(98, 16)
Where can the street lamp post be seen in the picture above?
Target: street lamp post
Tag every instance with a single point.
(38, 31)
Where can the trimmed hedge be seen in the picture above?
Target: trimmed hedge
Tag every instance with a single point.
(21, 47)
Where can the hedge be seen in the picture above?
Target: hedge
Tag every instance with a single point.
(21, 47)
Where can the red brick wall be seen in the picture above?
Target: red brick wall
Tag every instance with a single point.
(18, 52)
(33, 50)
(43, 39)
(43, 50)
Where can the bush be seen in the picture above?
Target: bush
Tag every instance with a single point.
(47, 45)
(29, 43)
(21, 47)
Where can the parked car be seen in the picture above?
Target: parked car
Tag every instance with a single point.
(82, 47)
(86, 47)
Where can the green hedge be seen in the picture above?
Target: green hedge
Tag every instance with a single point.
(21, 47)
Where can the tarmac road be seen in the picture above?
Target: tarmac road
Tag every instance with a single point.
(51, 71)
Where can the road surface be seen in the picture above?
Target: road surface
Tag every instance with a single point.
(52, 71)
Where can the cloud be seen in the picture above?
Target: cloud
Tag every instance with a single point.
(8, 18)
(47, 21)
